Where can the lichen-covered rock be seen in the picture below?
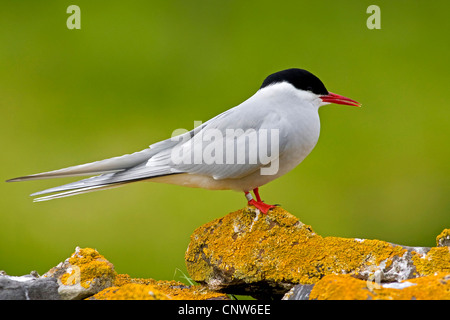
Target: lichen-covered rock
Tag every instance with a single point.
(247, 252)
(126, 288)
(85, 273)
(346, 287)
(443, 239)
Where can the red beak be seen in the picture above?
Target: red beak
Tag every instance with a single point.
(338, 99)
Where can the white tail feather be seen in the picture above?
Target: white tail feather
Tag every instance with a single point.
(78, 191)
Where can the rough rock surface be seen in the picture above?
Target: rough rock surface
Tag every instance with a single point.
(299, 292)
(247, 252)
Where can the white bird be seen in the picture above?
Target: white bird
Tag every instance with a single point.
(228, 152)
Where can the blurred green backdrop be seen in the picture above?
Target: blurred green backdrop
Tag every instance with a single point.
(137, 70)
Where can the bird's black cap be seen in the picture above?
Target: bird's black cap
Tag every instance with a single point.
(299, 78)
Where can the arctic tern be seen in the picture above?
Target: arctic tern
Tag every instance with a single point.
(286, 105)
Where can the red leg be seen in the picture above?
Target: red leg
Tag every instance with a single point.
(256, 192)
(259, 204)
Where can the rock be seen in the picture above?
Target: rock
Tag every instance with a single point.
(126, 288)
(84, 274)
(28, 287)
(346, 287)
(247, 252)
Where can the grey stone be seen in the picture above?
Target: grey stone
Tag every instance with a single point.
(28, 287)
(299, 292)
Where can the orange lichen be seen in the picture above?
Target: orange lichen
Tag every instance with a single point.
(127, 288)
(340, 287)
(437, 259)
(278, 247)
(130, 291)
(346, 287)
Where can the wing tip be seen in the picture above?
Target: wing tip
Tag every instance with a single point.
(37, 176)
(15, 179)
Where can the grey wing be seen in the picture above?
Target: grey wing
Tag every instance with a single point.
(230, 146)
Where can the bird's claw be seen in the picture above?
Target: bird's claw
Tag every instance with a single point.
(261, 206)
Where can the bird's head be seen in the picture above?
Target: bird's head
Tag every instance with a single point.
(309, 84)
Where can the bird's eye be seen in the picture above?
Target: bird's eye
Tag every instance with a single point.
(309, 89)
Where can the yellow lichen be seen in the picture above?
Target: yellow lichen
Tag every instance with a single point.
(346, 287)
(443, 237)
(87, 266)
(127, 288)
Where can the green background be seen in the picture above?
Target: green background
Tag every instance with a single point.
(137, 70)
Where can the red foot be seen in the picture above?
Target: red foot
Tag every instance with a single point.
(263, 207)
